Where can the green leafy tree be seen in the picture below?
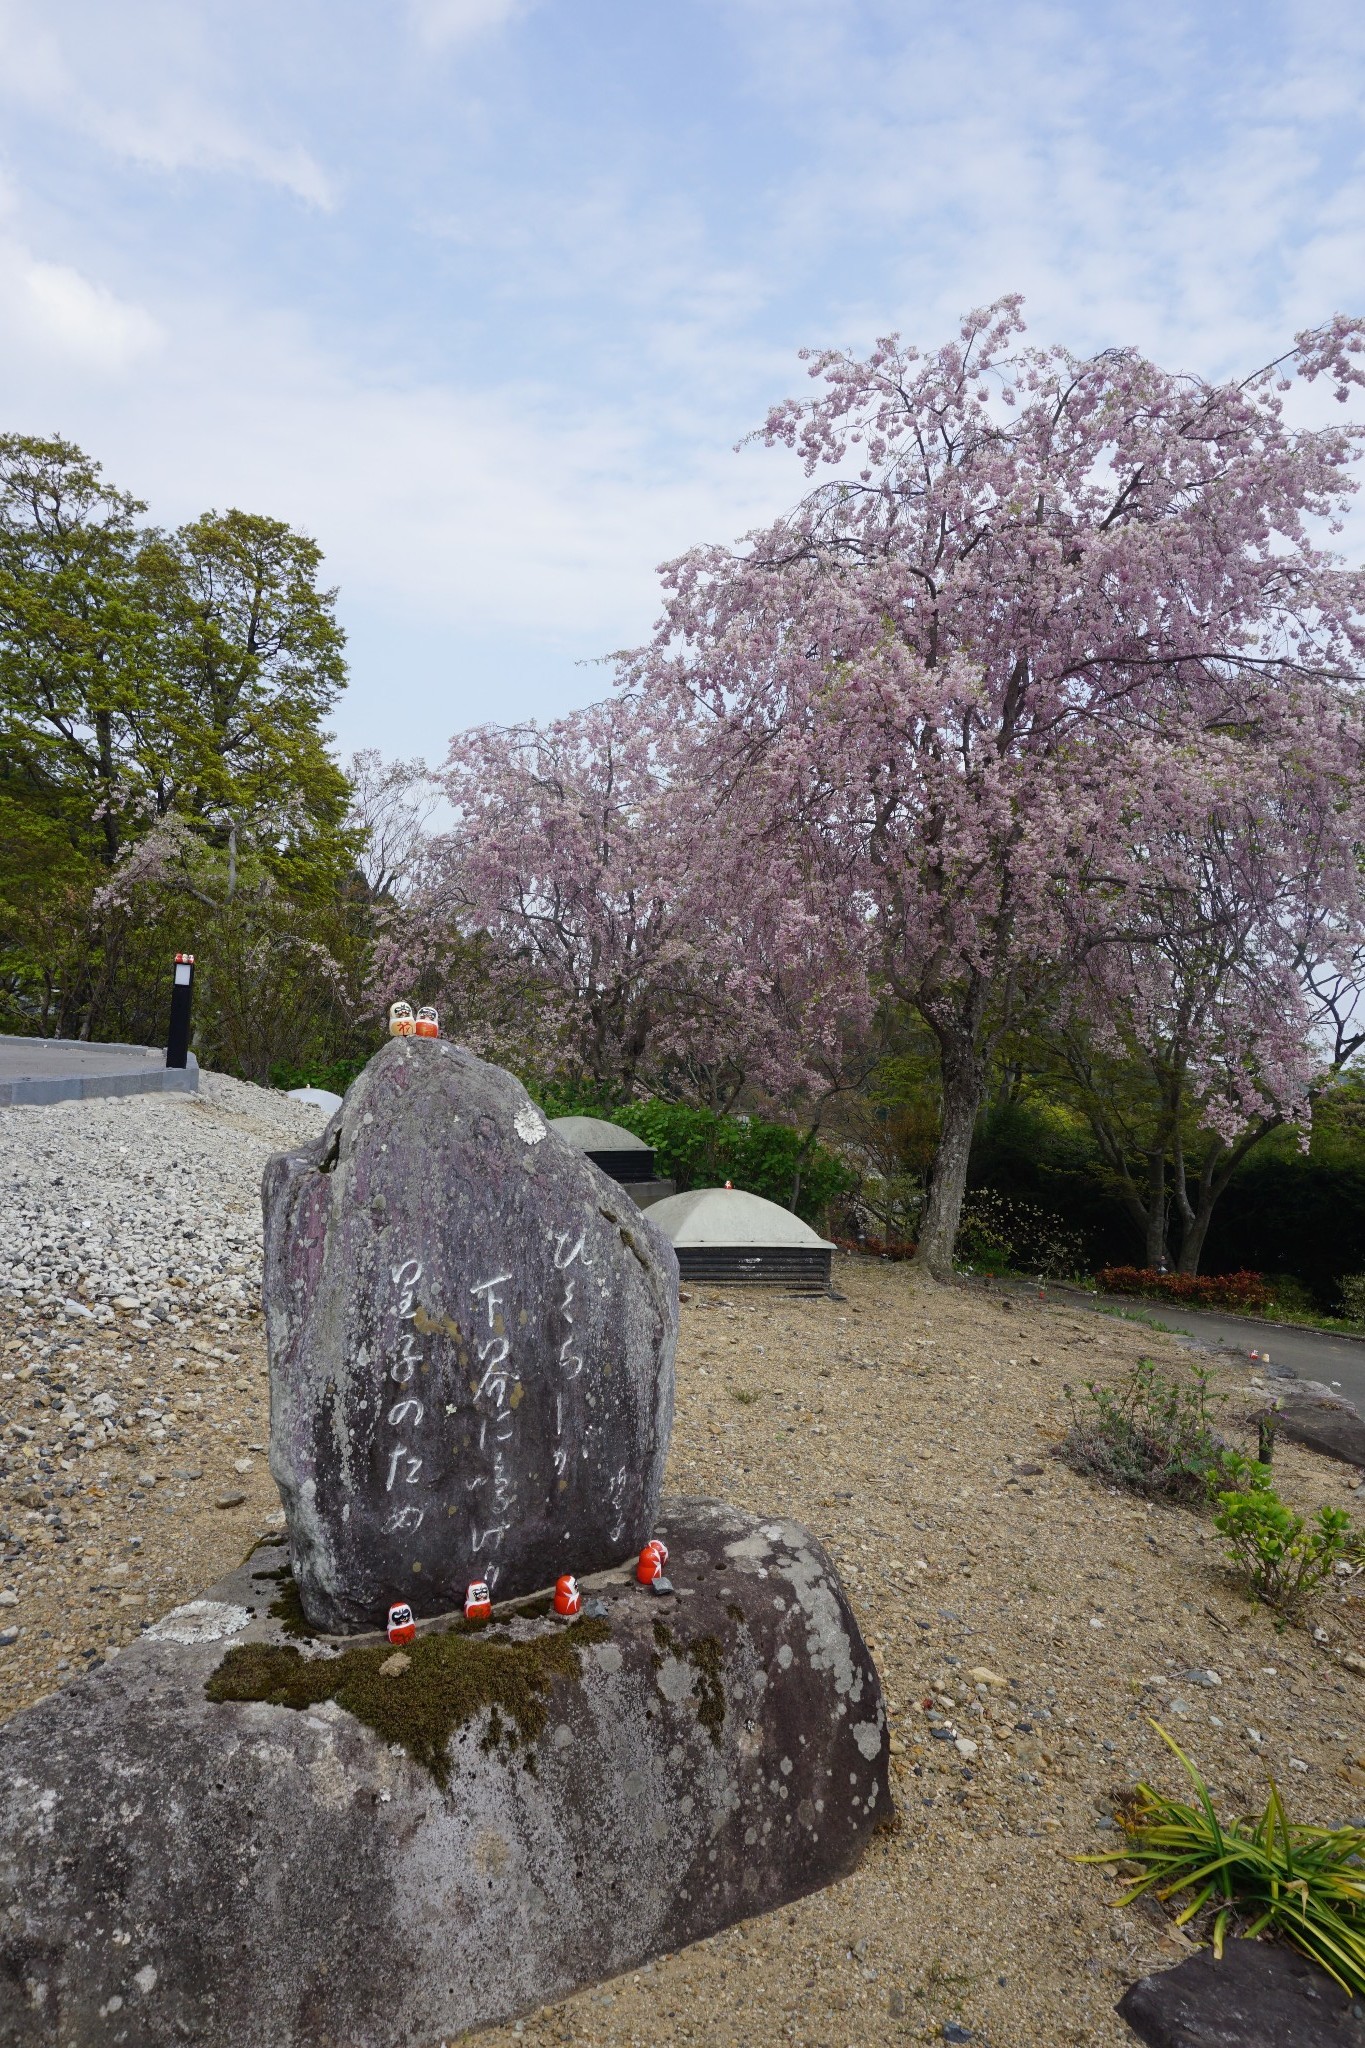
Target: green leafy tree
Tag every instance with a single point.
(254, 661)
(78, 638)
(165, 780)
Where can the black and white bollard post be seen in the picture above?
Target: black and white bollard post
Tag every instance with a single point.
(182, 989)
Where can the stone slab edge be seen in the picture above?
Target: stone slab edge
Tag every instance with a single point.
(1262, 1994)
(1314, 1415)
(34, 1090)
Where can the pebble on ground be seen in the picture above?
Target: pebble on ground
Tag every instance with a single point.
(1028, 1624)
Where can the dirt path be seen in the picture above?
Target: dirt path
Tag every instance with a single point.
(902, 1426)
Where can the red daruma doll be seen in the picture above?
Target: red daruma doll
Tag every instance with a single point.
(428, 1023)
(568, 1599)
(402, 1627)
(478, 1601)
(401, 1024)
(653, 1558)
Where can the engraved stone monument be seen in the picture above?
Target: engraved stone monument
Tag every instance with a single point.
(471, 1335)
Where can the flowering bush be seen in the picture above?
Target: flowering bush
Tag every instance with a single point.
(1353, 1297)
(998, 1228)
(1243, 1293)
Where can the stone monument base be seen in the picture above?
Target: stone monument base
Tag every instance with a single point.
(246, 1836)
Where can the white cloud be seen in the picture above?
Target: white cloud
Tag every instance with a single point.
(438, 22)
(503, 379)
(186, 135)
(148, 85)
(49, 312)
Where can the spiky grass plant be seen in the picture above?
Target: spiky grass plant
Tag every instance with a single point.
(1307, 1884)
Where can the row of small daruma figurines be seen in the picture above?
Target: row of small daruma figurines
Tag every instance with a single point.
(402, 1023)
(568, 1601)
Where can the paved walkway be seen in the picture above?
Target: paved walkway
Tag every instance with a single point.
(35, 1070)
(1310, 1354)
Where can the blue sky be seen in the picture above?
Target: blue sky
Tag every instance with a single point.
(483, 292)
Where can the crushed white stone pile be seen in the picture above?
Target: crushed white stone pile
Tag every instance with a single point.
(148, 1205)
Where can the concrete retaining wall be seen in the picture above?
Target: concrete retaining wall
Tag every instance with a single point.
(41, 1070)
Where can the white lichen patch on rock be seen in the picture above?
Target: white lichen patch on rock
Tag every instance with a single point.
(827, 1641)
(868, 1736)
(200, 1621)
(528, 1125)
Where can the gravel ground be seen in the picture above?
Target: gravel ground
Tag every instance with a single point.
(133, 1394)
(910, 1426)
(145, 1205)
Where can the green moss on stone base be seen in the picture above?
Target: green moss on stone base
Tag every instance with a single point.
(287, 1608)
(705, 1654)
(707, 1660)
(449, 1678)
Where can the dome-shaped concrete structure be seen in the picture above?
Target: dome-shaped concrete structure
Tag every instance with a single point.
(616, 1150)
(730, 1236)
(317, 1098)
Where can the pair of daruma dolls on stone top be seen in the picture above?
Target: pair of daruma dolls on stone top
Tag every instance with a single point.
(402, 1023)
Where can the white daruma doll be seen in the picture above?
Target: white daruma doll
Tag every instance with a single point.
(401, 1022)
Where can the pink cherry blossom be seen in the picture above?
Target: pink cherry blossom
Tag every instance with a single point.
(971, 687)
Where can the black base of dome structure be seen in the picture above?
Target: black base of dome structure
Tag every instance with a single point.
(803, 1267)
(627, 1165)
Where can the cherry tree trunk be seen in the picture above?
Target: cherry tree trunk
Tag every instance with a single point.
(1196, 1230)
(963, 1082)
(1156, 1258)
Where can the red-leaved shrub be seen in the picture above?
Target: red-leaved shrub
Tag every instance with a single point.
(879, 1247)
(1243, 1293)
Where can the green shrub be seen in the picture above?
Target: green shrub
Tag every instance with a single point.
(1150, 1434)
(1290, 1297)
(1262, 1872)
(1284, 1558)
(699, 1148)
(1353, 1297)
(334, 1074)
(885, 1211)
